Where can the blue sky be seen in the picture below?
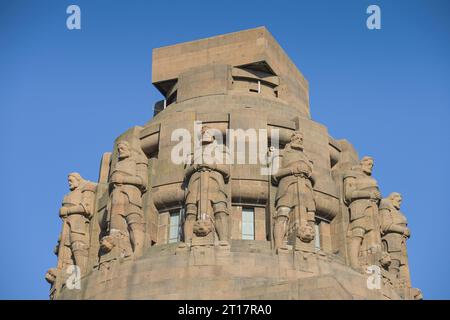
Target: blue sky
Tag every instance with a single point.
(66, 95)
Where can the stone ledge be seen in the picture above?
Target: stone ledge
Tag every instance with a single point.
(249, 270)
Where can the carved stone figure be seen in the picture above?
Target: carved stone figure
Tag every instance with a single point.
(362, 197)
(128, 182)
(295, 195)
(76, 212)
(50, 277)
(394, 235)
(113, 249)
(206, 198)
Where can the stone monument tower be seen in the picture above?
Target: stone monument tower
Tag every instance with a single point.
(231, 191)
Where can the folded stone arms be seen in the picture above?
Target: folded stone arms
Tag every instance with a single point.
(139, 180)
(352, 192)
(221, 168)
(300, 168)
(85, 207)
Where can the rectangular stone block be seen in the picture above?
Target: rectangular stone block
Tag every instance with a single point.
(260, 223)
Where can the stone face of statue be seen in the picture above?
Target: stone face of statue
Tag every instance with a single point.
(367, 165)
(396, 200)
(124, 150)
(73, 182)
(297, 141)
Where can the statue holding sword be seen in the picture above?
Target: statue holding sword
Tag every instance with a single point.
(294, 202)
(206, 199)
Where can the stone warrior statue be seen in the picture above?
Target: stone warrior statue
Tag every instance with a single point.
(76, 212)
(127, 183)
(295, 195)
(206, 199)
(362, 196)
(394, 232)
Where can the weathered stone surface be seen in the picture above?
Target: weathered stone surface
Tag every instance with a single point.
(168, 222)
(248, 274)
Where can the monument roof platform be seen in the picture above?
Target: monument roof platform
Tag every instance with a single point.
(253, 47)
